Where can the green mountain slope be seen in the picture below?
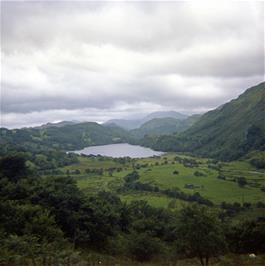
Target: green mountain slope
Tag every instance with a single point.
(66, 137)
(227, 132)
(123, 123)
(165, 114)
(130, 124)
(163, 126)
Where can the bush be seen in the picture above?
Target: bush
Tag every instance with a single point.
(131, 177)
(143, 247)
(220, 176)
(241, 181)
(258, 163)
(201, 233)
(197, 173)
(13, 168)
(247, 237)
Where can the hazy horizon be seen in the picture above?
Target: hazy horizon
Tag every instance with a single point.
(89, 61)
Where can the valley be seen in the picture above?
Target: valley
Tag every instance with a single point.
(103, 192)
(132, 133)
(159, 171)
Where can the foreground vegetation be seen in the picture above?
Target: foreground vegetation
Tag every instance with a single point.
(102, 209)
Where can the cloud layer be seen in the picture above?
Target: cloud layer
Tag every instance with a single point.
(95, 61)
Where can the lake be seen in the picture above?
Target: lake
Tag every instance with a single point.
(120, 150)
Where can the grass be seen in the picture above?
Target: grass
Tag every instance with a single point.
(244, 169)
(159, 171)
(155, 199)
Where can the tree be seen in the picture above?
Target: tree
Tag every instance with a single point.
(131, 177)
(241, 181)
(13, 168)
(247, 237)
(255, 138)
(143, 247)
(200, 233)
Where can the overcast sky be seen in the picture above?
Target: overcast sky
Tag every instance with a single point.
(95, 61)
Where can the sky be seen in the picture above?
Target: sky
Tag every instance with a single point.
(94, 61)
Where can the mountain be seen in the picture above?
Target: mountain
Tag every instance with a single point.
(130, 124)
(165, 114)
(227, 132)
(163, 126)
(65, 137)
(59, 124)
(124, 123)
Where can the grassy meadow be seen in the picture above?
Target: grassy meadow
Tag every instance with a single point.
(159, 171)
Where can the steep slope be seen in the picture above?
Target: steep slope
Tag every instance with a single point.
(227, 132)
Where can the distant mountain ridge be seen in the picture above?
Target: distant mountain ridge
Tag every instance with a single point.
(163, 126)
(130, 124)
(59, 124)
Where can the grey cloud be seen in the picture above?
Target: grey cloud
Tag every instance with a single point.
(111, 57)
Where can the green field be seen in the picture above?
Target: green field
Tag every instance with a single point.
(158, 171)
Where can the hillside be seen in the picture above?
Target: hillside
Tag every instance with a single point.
(130, 124)
(59, 124)
(66, 137)
(227, 132)
(163, 126)
(124, 123)
(165, 114)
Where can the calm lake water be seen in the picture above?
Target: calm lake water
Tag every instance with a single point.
(120, 150)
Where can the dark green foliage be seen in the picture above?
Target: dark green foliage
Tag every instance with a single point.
(231, 209)
(247, 237)
(13, 168)
(258, 162)
(241, 181)
(45, 219)
(200, 234)
(143, 247)
(29, 231)
(187, 162)
(220, 176)
(197, 173)
(95, 171)
(255, 139)
(31, 250)
(131, 177)
(19, 219)
(260, 204)
(131, 184)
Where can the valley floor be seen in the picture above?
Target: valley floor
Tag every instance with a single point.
(215, 181)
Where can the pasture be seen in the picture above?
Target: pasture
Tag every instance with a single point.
(168, 172)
